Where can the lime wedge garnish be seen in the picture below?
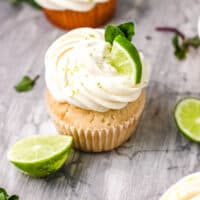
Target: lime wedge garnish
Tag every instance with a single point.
(39, 156)
(125, 58)
(187, 116)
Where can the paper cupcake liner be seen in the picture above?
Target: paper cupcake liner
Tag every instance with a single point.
(99, 140)
(69, 19)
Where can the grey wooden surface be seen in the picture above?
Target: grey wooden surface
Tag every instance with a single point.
(154, 158)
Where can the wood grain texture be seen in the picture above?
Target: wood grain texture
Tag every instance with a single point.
(146, 165)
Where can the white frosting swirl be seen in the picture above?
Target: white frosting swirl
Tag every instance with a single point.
(76, 5)
(187, 188)
(78, 72)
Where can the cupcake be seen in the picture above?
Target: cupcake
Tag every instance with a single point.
(69, 14)
(187, 188)
(96, 83)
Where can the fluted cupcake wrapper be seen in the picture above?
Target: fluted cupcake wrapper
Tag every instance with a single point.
(69, 19)
(99, 140)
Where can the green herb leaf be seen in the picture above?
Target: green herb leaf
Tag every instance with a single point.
(192, 42)
(26, 84)
(30, 2)
(179, 50)
(180, 42)
(112, 32)
(128, 29)
(13, 197)
(5, 196)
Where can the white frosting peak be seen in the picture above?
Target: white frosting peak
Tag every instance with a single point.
(76, 5)
(187, 188)
(78, 72)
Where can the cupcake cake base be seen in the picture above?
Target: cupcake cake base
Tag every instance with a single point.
(69, 19)
(94, 131)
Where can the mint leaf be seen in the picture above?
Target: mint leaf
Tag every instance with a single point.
(5, 196)
(180, 42)
(128, 29)
(112, 32)
(13, 197)
(179, 50)
(26, 84)
(192, 42)
(30, 2)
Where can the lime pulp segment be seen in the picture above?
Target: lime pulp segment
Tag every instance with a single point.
(126, 59)
(40, 155)
(187, 116)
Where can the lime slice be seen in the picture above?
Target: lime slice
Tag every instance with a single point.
(187, 116)
(125, 58)
(39, 156)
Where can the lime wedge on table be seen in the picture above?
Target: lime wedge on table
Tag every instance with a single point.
(38, 156)
(187, 116)
(126, 59)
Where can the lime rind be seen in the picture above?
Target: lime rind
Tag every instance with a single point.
(124, 50)
(45, 166)
(187, 114)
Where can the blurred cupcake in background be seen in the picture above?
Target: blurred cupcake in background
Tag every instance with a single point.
(187, 188)
(69, 14)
